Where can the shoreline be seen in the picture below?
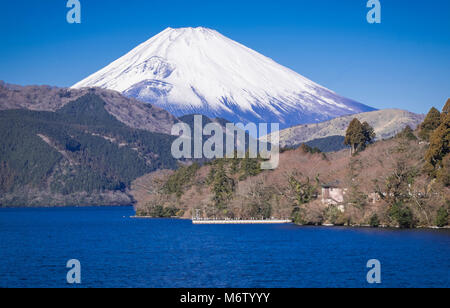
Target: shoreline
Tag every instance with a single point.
(281, 221)
(228, 222)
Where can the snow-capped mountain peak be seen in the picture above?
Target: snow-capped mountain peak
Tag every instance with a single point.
(198, 70)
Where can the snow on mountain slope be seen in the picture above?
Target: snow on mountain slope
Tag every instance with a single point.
(198, 70)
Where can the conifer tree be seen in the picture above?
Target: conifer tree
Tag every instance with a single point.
(353, 137)
(369, 133)
(442, 217)
(407, 133)
(223, 187)
(439, 144)
(431, 122)
(446, 108)
(443, 174)
(359, 135)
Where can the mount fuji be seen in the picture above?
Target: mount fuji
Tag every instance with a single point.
(200, 71)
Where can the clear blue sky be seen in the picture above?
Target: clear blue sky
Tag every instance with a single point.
(404, 62)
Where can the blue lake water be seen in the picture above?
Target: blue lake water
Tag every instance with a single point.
(117, 251)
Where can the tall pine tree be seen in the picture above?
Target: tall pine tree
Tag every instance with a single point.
(439, 144)
(222, 187)
(358, 135)
(445, 110)
(431, 122)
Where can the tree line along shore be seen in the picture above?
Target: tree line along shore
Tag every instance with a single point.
(400, 182)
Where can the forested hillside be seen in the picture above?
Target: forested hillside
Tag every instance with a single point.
(78, 155)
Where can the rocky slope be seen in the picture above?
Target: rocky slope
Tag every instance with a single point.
(387, 123)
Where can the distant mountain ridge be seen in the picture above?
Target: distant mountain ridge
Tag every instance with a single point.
(129, 111)
(387, 123)
(200, 71)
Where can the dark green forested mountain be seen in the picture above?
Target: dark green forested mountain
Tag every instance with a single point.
(78, 155)
(328, 144)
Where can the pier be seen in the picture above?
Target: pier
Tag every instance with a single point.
(239, 221)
